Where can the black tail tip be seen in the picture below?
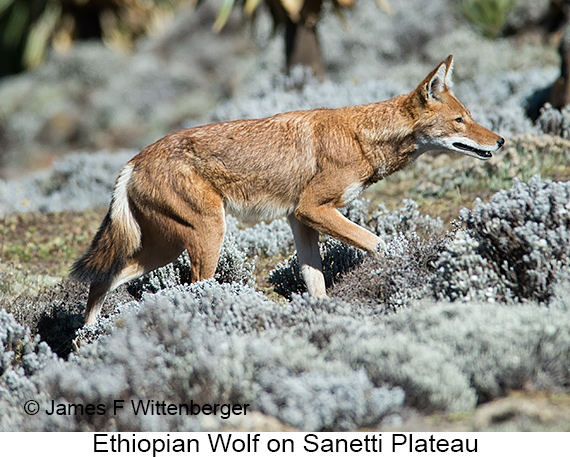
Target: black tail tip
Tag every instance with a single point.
(84, 273)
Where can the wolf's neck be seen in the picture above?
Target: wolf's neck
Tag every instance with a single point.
(385, 131)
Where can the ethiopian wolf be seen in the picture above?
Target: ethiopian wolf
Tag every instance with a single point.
(303, 164)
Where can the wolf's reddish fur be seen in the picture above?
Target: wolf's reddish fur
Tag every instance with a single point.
(303, 165)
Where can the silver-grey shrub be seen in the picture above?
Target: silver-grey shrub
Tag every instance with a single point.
(315, 364)
(496, 347)
(74, 183)
(213, 343)
(513, 247)
(406, 222)
(553, 121)
(263, 239)
(21, 358)
(328, 401)
(18, 349)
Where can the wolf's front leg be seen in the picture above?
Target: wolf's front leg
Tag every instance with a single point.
(328, 220)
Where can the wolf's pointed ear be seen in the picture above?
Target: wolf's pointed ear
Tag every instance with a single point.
(437, 81)
(449, 72)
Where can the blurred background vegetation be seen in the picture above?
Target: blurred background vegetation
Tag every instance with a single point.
(29, 27)
(488, 15)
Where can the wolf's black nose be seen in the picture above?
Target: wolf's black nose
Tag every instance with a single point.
(501, 141)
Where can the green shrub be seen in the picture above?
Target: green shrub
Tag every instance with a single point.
(487, 15)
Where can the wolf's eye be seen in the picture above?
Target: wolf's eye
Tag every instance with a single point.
(459, 120)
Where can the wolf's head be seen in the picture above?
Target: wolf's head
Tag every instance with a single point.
(443, 123)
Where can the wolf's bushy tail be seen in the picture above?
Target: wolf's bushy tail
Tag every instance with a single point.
(116, 241)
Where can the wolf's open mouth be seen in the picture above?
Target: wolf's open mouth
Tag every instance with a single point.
(479, 152)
